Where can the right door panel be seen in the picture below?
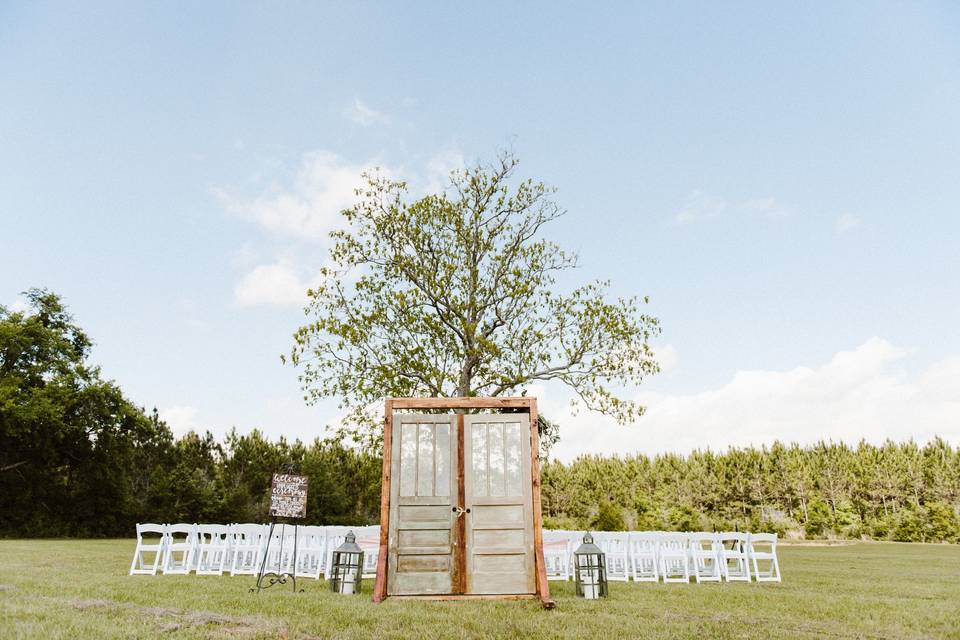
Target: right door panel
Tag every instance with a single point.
(499, 524)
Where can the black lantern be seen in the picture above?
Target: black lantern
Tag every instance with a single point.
(590, 570)
(347, 567)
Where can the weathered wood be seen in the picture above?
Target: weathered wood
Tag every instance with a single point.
(500, 557)
(467, 596)
(380, 586)
(543, 587)
(460, 531)
(462, 403)
(288, 496)
(421, 546)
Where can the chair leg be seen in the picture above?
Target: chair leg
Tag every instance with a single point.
(136, 556)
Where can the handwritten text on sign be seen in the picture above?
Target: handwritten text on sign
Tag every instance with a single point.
(288, 496)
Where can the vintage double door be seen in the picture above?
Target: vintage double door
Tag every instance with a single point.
(461, 518)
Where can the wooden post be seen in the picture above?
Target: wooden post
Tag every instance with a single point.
(543, 587)
(380, 586)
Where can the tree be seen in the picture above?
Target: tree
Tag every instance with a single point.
(609, 518)
(73, 450)
(455, 294)
(819, 518)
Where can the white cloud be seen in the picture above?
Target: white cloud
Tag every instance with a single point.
(439, 168)
(856, 394)
(311, 206)
(181, 419)
(308, 209)
(19, 305)
(699, 206)
(277, 283)
(765, 207)
(363, 115)
(846, 223)
(666, 357)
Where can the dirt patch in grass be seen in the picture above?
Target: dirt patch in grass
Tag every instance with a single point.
(93, 603)
(170, 620)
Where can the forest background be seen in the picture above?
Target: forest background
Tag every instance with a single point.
(77, 458)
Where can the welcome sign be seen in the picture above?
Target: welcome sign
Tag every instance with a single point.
(288, 496)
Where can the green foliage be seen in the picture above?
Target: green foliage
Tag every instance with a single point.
(685, 518)
(72, 448)
(909, 525)
(649, 517)
(77, 458)
(866, 491)
(569, 524)
(609, 518)
(943, 523)
(454, 294)
(880, 527)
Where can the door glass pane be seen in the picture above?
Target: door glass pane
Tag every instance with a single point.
(408, 459)
(512, 435)
(425, 461)
(497, 475)
(443, 459)
(479, 459)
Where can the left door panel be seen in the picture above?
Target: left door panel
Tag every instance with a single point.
(424, 492)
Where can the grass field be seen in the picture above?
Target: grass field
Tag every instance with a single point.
(79, 589)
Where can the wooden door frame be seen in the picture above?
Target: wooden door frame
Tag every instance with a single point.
(530, 405)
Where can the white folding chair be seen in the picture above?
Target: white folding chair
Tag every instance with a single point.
(248, 543)
(575, 539)
(616, 550)
(705, 557)
(734, 563)
(644, 564)
(369, 540)
(772, 574)
(156, 546)
(556, 555)
(178, 558)
(213, 547)
(674, 557)
(311, 548)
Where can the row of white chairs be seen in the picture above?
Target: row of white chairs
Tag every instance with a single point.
(651, 556)
(307, 551)
(243, 549)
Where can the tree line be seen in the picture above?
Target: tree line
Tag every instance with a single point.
(894, 491)
(77, 458)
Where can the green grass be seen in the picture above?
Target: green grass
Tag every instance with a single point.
(79, 589)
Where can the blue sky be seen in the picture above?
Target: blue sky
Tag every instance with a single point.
(783, 181)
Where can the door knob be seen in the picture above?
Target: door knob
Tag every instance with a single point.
(460, 512)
